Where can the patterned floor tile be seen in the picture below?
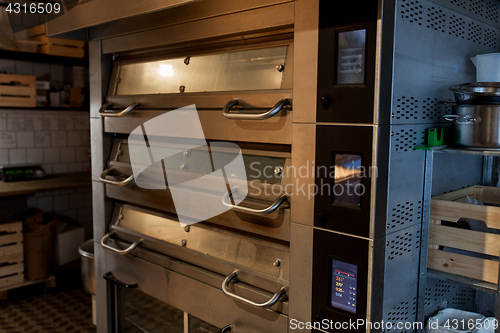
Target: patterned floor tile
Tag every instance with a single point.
(68, 311)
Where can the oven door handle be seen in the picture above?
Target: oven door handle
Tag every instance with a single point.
(273, 300)
(226, 111)
(261, 212)
(104, 243)
(103, 109)
(124, 182)
(111, 278)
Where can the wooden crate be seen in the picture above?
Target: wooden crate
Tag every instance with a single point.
(11, 252)
(17, 90)
(451, 207)
(56, 46)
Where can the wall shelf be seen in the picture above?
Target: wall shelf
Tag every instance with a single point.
(43, 58)
(7, 108)
(58, 182)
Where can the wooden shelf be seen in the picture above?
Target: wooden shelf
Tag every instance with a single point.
(45, 109)
(65, 181)
(43, 58)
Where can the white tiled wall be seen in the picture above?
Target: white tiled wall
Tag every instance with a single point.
(58, 140)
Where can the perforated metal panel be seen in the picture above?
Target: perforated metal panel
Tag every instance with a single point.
(482, 10)
(401, 262)
(440, 294)
(434, 42)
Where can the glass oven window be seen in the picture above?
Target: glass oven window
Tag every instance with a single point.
(144, 313)
(242, 70)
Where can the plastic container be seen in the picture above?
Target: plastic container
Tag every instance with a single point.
(454, 321)
(487, 67)
(488, 325)
(88, 279)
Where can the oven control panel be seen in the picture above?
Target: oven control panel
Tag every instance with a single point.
(346, 61)
(340, 280)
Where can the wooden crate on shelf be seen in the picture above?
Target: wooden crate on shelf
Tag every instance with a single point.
(451, 207)
(11, 252)
(56, 46)
(17, 90)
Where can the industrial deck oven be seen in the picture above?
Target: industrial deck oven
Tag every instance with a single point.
(331, 97)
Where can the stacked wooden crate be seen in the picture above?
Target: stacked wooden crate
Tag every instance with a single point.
(11, 252)
(17, 91)
(479, 250)
(56, 46)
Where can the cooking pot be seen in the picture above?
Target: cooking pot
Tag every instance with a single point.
(475, 126)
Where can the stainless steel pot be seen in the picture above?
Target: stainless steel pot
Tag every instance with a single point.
(475, 126)
(86, 250)
(477, 93)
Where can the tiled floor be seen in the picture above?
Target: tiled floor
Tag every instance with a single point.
(48, 312)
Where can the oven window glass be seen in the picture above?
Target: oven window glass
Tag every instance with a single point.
(351, 57)
(242, 70)
(143, 313)
(199, 326)
(344, 286)
(347, 188)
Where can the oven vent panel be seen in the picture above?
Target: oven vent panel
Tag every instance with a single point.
(401, 277)
(406, 139)
(404, 215)
(486, 11)
(435, 18)
(440, 294)
(402, 245)
(423, 110)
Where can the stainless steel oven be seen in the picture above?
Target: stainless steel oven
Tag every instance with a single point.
(233, 69)
(302, 88)
(241, 97)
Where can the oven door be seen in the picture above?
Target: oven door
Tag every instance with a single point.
(241, 95)
(265, 211)
(146, 297)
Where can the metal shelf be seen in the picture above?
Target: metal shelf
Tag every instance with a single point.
(468, 282)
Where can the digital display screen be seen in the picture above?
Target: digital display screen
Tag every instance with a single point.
(351, 57)
(347, 188)
(344, 286)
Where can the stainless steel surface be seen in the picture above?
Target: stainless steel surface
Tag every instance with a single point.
(211, 271)
(476, 126)
(184, 292)
(104, 244)
(226, 111)
(225, 288)
(275, 225)
(104, 112)
(92, 13)
(232, 247)
(276, 130)
(86, 251)
(477, 93)
(241, 24)
(261, 212)
(123, 182)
